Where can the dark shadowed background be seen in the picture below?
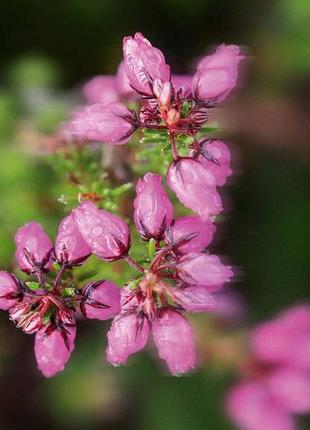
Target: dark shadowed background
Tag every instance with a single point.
(56, 46)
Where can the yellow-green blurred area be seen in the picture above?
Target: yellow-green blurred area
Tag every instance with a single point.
(48, 49)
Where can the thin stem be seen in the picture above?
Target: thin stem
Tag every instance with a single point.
(173, 146)
(40, 277)
(59, 276)
(133, 263)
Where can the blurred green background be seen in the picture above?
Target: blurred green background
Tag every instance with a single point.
(48, 49)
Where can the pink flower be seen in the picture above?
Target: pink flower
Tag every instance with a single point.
(101, 89)
(217, 74)
(194, 186)
(101, 300)
(53, 349)
(252, 407)
(128, 334)
(33, 247)
(203, 269)
(215, 156)
(190, 234)
(153, 210)
(107, 235)
(9, 290)
(195, 299)
(144, 64)
(70, 247)
(278, 376)
(113, 123)
(174, 339)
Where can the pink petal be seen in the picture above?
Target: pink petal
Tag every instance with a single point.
(51, 351)
(32, 238)
(153, 210)
(194, 299)
(200, 232)
(101, 89)
(8, 289)
(174, 339)
(252, 407)
(127, 335)
(104, 293)
(195, 187)
(220, 152)
(69, 244)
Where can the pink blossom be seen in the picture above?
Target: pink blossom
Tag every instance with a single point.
(217, 74)
(101, 300)
(101, 89)
(53, 350)
(194, 299)
(174, 339)
(106, 234)
(194, 186)
(252, 407)
(153, 210)
(70, 247)
(113, 123)
(215, 156)
(33, 247)
(144, 64)
(9, 290)
(128, 334)
(190, 234)
(203, 269)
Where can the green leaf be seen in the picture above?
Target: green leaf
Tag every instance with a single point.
(33, 286)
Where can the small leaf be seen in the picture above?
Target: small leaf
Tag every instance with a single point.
(33, 286)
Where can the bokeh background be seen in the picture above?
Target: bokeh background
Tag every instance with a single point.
(48, 49)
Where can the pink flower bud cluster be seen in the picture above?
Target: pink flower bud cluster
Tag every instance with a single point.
(276, 384)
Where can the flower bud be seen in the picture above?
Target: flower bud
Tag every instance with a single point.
(9, 290)
(174, 339)
(153, 210)
(107, 235)
(215, 156)
(143, 64)
(203, 269)
(53, 349)
(195, 187)
(70, 247)
(217, 74)
(113, 123)
(182, 83)
(33, 247)
(101, 300)
(190, 234)
(101, 89)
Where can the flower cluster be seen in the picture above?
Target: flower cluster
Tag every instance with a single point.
(48, 306)
(276, 383)
(176, 276)
(177, 105)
